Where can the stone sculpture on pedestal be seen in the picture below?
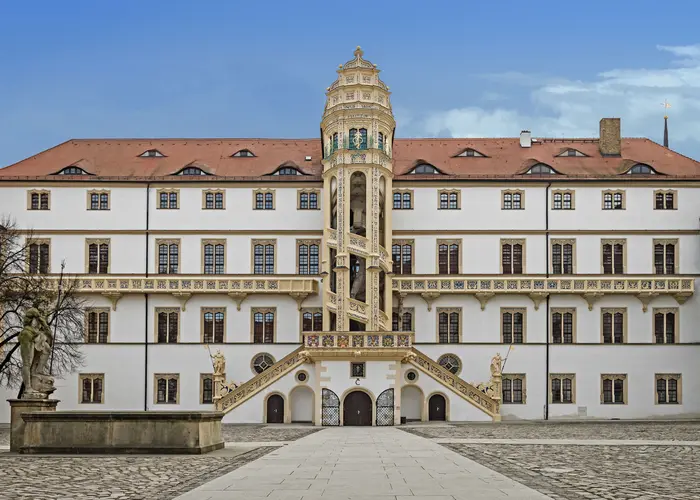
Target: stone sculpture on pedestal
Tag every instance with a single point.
(36, 343)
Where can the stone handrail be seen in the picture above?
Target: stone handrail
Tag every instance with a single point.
(460, 387)
(363, 340)
(250, 388)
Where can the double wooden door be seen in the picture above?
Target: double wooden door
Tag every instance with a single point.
(357, 409)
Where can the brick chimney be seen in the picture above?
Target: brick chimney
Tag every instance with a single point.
(610, 143)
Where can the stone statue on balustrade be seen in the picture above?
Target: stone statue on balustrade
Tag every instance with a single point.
(36, 344)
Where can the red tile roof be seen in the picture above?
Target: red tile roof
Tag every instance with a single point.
(504, 158)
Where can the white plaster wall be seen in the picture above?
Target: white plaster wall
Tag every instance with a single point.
(301, 402)
(412, 401)
(336, 377)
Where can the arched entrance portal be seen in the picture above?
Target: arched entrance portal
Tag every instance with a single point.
(436, 408)
(275, 409)
(357, 409)
(411, 403)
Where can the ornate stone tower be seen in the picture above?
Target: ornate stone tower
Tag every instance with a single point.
(357, 130)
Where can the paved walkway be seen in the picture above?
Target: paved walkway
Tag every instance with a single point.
(363, 463)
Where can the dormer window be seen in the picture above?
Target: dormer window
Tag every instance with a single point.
(470, 152)
(571, 152)
(152, 153)
(192, 171)
(541, 169)
(243, 153)
(287, 171)
(424, 169)
(72, 170)
(641, 169)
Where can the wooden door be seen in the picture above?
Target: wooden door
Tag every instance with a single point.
(275, 409)
(436, 408)
(357, 409)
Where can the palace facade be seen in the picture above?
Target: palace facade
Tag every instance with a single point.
(360, 279)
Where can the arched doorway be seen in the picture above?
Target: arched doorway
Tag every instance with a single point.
(436, 408)
(275, 409)
(411, 403)
(302, 404)
(357, 409)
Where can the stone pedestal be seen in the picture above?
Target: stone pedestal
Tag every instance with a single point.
(17, 424)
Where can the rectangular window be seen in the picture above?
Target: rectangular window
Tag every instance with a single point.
(614, 389)
(613, 200)
(563, 256)
(311, 320)
(38, 200)
(168, 199)
(512, 256)
(264, 256)
(449, 255)
(206, 388)
(308, 200)
(167, 325)
(665, 321)
(91, 388)
(668, 389)
(562, 388)
(357, 370)
(665, 256)
(263, 326)
(449, 325)
(665, 200)
(98, 200)
(563, 326)
(563, 200)
(448, 200)
(308, 256)
(402, 255)
(513, 326)
(614, 326)
(403, 200)
(513, 200)
(263, 199)
(403, 322)
(213, 200)
(97, 326)
(613, 256)
(214, 256)
(39, 257)
(98, 256)
(213, 325)
(166, 387)
(168, 256)
(513, 388)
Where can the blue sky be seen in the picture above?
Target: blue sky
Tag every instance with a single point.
(73, 69)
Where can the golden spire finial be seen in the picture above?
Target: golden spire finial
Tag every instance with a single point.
(666, 106)
(358, 52)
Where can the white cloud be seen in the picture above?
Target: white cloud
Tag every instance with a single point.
(574, 108)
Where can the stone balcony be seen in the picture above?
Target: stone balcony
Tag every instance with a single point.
(355, 344)
(590, 287)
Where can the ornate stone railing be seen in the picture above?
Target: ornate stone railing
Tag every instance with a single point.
(358, 340)
(358, 245)
(358, 309)
(184, 286)
(250, 388)
(345, 156)
(460, 387)
(332, 237)
(590, 287)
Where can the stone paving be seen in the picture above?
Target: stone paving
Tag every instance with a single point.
(265, 433)
(4, 435)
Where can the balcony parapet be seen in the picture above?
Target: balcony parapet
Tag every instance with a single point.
(590, 287)
(184, 286)
(358, 344)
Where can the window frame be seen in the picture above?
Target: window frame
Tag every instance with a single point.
(625, 324)
(38, 241)
(461, 364)
(214, 192)
(313, 311)
(168, 311)
(263, 311)
(168, 191)
(562, 242)
(512, 241)
(512, 192)
(213, 311)
(86, 326)
(664, 193)
(39, 192)
(264, 191)
(449, 311)
(402, 192)
(202, 378)
(563, 192)
(215, 243)
(676, 254)
(612, 193)
(613, 242)
(511, 377)
(252, 362)
(613, 377)
(358, 363)
(99, 193)
(561, 377)
(679, 388)
(98, 242)
(449, 192)
(253, 244)
(308, 243)
(169, 242)
(309, 192)
(676, 324)
(513, 310)
(402, 243)
(92, 377)
(406, 310)
(562, 311)
(449, 243)
(167, 377)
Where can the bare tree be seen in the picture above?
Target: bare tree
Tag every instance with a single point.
(20, 287)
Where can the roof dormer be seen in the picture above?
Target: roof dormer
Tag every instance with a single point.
(470, 152)
(192, 170)
(243, 153)
(287, 171)
(541, 169)
(572, 152)
(424, 169)
(152, 153)
(641, 169)
(72, 170)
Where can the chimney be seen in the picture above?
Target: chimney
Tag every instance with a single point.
(610, 142)
(525, 139)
